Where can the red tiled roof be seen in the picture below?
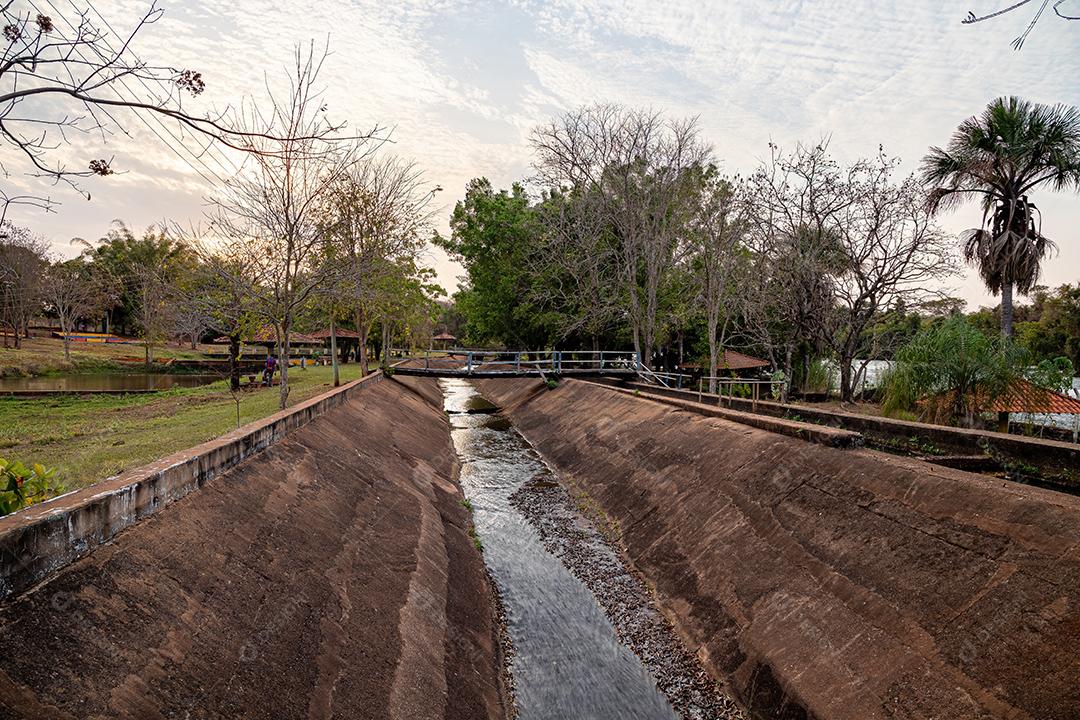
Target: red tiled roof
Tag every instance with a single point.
(340, 332)
(737, 361)
(1025, 397)
(264, 336)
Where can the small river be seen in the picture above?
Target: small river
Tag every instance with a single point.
(105, 382)
(568, 661)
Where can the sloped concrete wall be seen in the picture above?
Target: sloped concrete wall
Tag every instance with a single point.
(330, 576)
(828, 583)
(42, 539)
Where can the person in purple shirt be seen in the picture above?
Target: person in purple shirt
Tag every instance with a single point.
(268, 372)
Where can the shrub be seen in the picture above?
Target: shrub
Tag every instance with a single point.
(953, 372)
(22, 486)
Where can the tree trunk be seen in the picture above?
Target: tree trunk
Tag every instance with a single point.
(787, 371)
(333, 351)
(363, 327)
(847, 393)
(1007, 309)
(67, 340)
(385, 349)
(714, 358)
(234, 362)
(283, 361)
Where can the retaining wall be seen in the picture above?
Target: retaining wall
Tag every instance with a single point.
(819, 582)
(44, 538)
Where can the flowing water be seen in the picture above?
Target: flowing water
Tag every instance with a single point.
(104, 382)
(568, 661)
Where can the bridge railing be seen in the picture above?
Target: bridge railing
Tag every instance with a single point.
(553, 361)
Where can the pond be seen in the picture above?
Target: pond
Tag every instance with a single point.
(103, 383)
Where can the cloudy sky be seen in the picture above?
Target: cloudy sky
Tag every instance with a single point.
(462, 84)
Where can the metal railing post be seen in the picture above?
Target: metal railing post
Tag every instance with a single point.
(468, 369)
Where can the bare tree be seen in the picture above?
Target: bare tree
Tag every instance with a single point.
(794, 198)
(718, 257)
(64, 76)
(638, 162)
(575, 269)
(271, 209)
(838, 246)
(152, 311)
(23, 259)
(73, 291)
(892, 255)
(376, 215)
(1018, 43)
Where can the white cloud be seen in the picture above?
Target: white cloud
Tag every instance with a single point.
(463, 83)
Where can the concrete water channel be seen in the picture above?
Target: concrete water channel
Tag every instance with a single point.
(567, 660)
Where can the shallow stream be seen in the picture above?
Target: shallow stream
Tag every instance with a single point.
(568, 660)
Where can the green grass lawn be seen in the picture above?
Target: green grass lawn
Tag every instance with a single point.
(92, 437)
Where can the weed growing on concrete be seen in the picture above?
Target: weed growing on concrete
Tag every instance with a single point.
(475, 539)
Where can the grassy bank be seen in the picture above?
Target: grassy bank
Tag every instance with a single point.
(90, 438)
(45, 356)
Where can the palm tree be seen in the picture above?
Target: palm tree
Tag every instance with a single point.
(999, 158)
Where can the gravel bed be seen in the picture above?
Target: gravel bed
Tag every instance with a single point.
(597, 562)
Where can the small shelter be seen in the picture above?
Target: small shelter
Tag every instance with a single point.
(348, 342)
(739, 363)
(443, 341)
(1026, 398)
(730, 362)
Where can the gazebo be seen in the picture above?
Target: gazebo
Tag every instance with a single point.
(443, 340)
(730, 361)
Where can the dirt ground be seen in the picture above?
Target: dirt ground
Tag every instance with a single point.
(828, 583)
(330, 576)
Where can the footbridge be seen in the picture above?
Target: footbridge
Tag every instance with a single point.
(543, 364)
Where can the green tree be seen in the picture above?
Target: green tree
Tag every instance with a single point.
(953, 372)
(1054, 328)
(147, 270)
(493, 234)
(998, 158)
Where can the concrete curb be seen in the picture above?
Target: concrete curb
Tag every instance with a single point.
(830, 437)
(38, 541)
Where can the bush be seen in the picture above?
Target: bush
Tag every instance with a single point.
(953, 372)
(22, 486)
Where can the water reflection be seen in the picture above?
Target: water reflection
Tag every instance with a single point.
(568, 662)
(106, 382)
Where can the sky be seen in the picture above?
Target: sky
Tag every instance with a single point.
(460, 85)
